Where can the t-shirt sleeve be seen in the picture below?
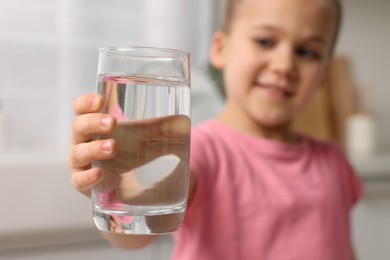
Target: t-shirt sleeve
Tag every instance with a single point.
(200, 160)
(196, 151)
(203, 161)
(351, 181)
(201, 152)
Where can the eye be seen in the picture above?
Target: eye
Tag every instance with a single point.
(308, 53)
(265, 42)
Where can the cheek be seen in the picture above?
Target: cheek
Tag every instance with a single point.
(243, 68)
(310, 83)
(233, 77)
(312, 75)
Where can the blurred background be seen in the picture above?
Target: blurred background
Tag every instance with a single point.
(49, 53)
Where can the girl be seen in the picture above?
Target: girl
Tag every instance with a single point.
(258, 190)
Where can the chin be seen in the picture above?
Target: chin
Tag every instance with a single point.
(273, 122)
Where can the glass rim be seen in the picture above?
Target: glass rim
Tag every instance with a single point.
(145, 51)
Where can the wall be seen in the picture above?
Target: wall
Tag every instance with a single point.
(371, 221)
(365, 38)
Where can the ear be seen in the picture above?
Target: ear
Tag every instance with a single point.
(216, 53)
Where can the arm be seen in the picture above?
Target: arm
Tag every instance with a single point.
(128, 241)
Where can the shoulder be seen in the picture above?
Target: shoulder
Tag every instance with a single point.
(329, 153)
(324, 147)
(212, 148)
(204, 144)
(203, 129)
(333, 158)
(206, 134)
(206, 140)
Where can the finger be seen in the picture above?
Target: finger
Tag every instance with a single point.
(83, 181)
(88, 103)
(177, 125)
(82, 155)
(84, 126)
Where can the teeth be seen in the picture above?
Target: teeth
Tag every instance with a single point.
(276, 90)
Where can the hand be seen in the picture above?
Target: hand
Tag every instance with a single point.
(87, 123)
(140, 142)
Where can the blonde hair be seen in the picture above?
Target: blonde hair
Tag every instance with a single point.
(231, 6)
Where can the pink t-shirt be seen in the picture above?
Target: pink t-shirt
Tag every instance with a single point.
(260, 199)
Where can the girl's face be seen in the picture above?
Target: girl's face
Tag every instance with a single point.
(274, 57)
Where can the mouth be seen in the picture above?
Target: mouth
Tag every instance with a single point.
(277, 91)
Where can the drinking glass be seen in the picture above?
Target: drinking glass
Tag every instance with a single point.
(145, 185)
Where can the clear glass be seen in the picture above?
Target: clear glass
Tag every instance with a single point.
(145, 185)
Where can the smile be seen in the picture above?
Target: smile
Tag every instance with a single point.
(277, 91)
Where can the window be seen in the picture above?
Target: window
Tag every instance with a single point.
(50, 52)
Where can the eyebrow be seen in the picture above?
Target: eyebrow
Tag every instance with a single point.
(312, 38)
(317, 39)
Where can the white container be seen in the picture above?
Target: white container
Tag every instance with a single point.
(361, 135)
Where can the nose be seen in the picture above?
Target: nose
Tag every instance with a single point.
(283, 63)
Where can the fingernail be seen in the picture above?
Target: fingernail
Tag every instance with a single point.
(106, 145)
(94, 103)
(106, 121)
